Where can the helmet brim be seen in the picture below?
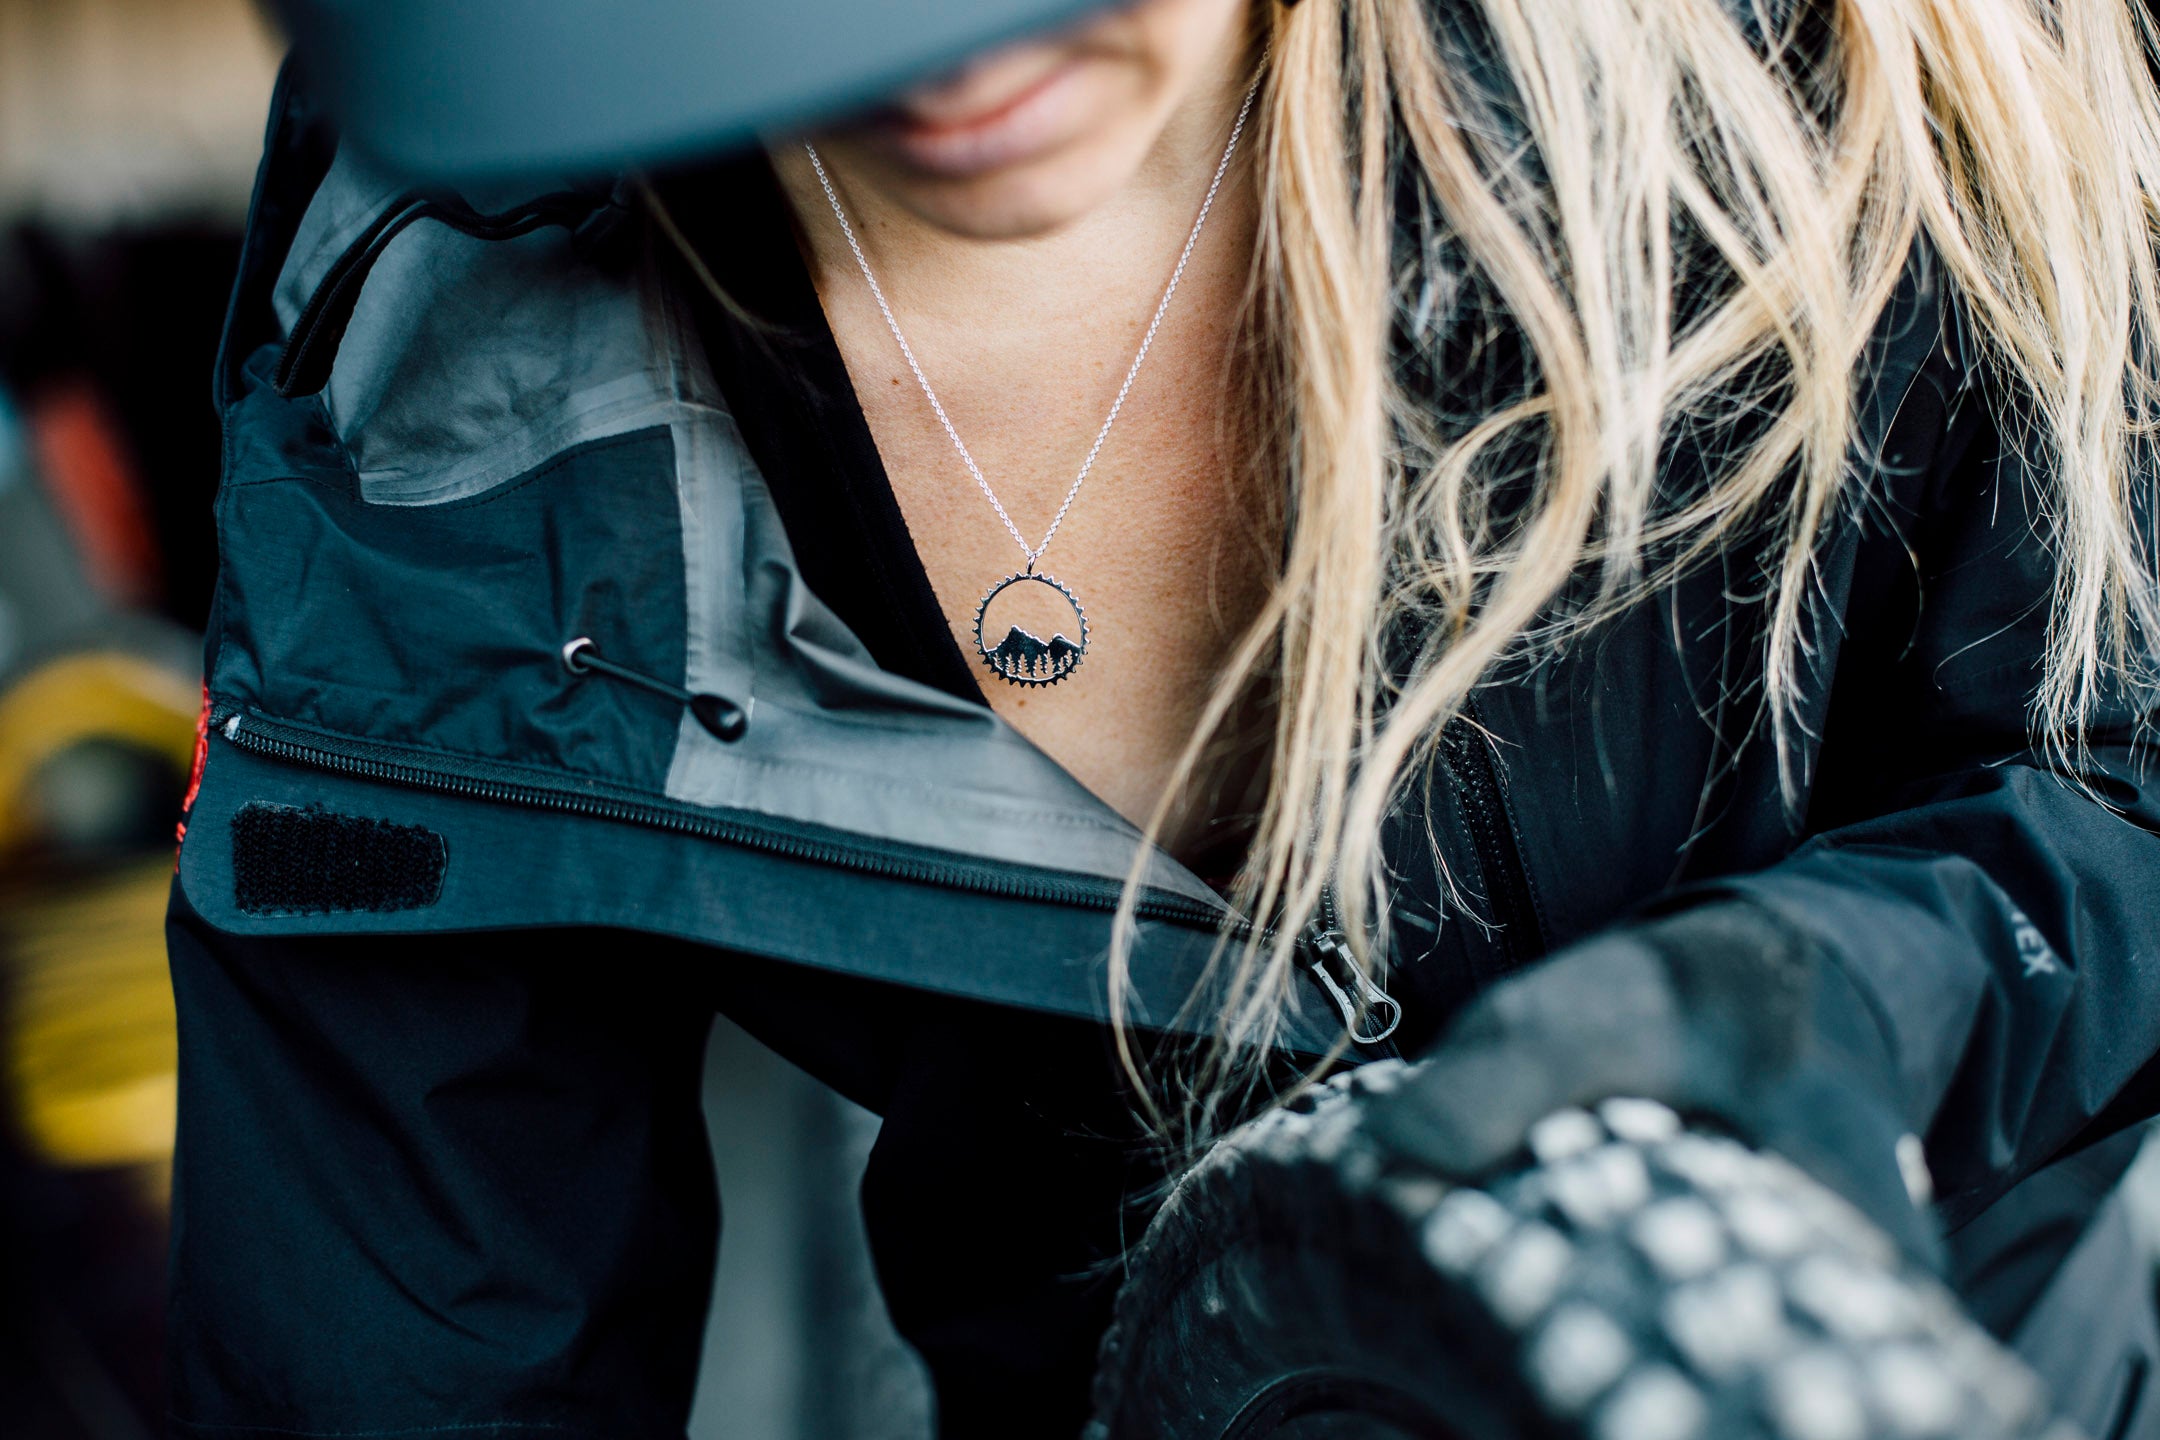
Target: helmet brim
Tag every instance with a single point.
(482, 88)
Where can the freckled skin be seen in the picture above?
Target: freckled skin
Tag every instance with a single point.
(1024, 294)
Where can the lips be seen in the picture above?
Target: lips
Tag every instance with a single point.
(966, 135)
(966, 100)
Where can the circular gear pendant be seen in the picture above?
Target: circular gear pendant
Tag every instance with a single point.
(1030, 629)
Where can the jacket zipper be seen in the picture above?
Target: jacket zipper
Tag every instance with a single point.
(274, 741)
(1332, 965)
(1492, 836)
(294, 746)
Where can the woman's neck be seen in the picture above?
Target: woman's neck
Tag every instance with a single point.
(1099, 269)
(1026, 342)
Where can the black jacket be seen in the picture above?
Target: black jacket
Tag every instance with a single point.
(459, 435)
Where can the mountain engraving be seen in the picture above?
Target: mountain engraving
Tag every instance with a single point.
(1022, 656)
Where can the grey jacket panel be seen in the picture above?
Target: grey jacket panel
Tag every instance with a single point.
(515, 448)
(470, 364)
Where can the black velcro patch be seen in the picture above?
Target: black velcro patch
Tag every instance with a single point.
(313, 861)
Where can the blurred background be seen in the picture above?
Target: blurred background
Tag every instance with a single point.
(129, 131)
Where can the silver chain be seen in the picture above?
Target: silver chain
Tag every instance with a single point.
(1132, 372)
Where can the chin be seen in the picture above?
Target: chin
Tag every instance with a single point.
(1006, 207)
(1015, 201)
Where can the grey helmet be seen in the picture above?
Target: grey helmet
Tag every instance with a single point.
(462, 89)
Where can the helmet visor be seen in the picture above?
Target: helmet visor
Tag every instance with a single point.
(475, 88)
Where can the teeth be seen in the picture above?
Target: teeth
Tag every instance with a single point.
(1815, 1395)
(1680, 1237)
(1621, 1171)
(1778, 1300)
(1524, 1273)
(1463, 1230)
(1734, 1319)
(1708, 1162)
(1655, 1403)
(1577, 1354)
(1599, 1186)
(1765, 1225)
(1914, 1392)
(1642, 1122)
(1851, 1302)
(1564, 1133)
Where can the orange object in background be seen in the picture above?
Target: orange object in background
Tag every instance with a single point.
(83, 461)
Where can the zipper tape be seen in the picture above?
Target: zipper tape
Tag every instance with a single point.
(479, 781)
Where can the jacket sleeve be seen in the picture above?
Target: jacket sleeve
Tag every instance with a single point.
(1996, 909)
(1965, 946)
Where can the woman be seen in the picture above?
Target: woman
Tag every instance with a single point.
(1656, 491)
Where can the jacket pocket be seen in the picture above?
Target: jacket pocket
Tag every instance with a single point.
(443, 625)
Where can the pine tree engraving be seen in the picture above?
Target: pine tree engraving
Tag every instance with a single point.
(1022, 655)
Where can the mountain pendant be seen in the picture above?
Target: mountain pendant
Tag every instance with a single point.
(1029, 605)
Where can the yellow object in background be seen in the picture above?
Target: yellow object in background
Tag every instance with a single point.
(96, 695)
(89, 1042)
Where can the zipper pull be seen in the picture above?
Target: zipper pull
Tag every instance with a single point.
(721, 716)
(1330, 953)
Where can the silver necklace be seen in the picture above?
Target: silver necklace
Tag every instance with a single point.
(1020, 656)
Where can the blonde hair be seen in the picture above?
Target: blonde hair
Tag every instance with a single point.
(1688, 217)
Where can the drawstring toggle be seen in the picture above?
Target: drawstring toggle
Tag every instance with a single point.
(722, 717)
